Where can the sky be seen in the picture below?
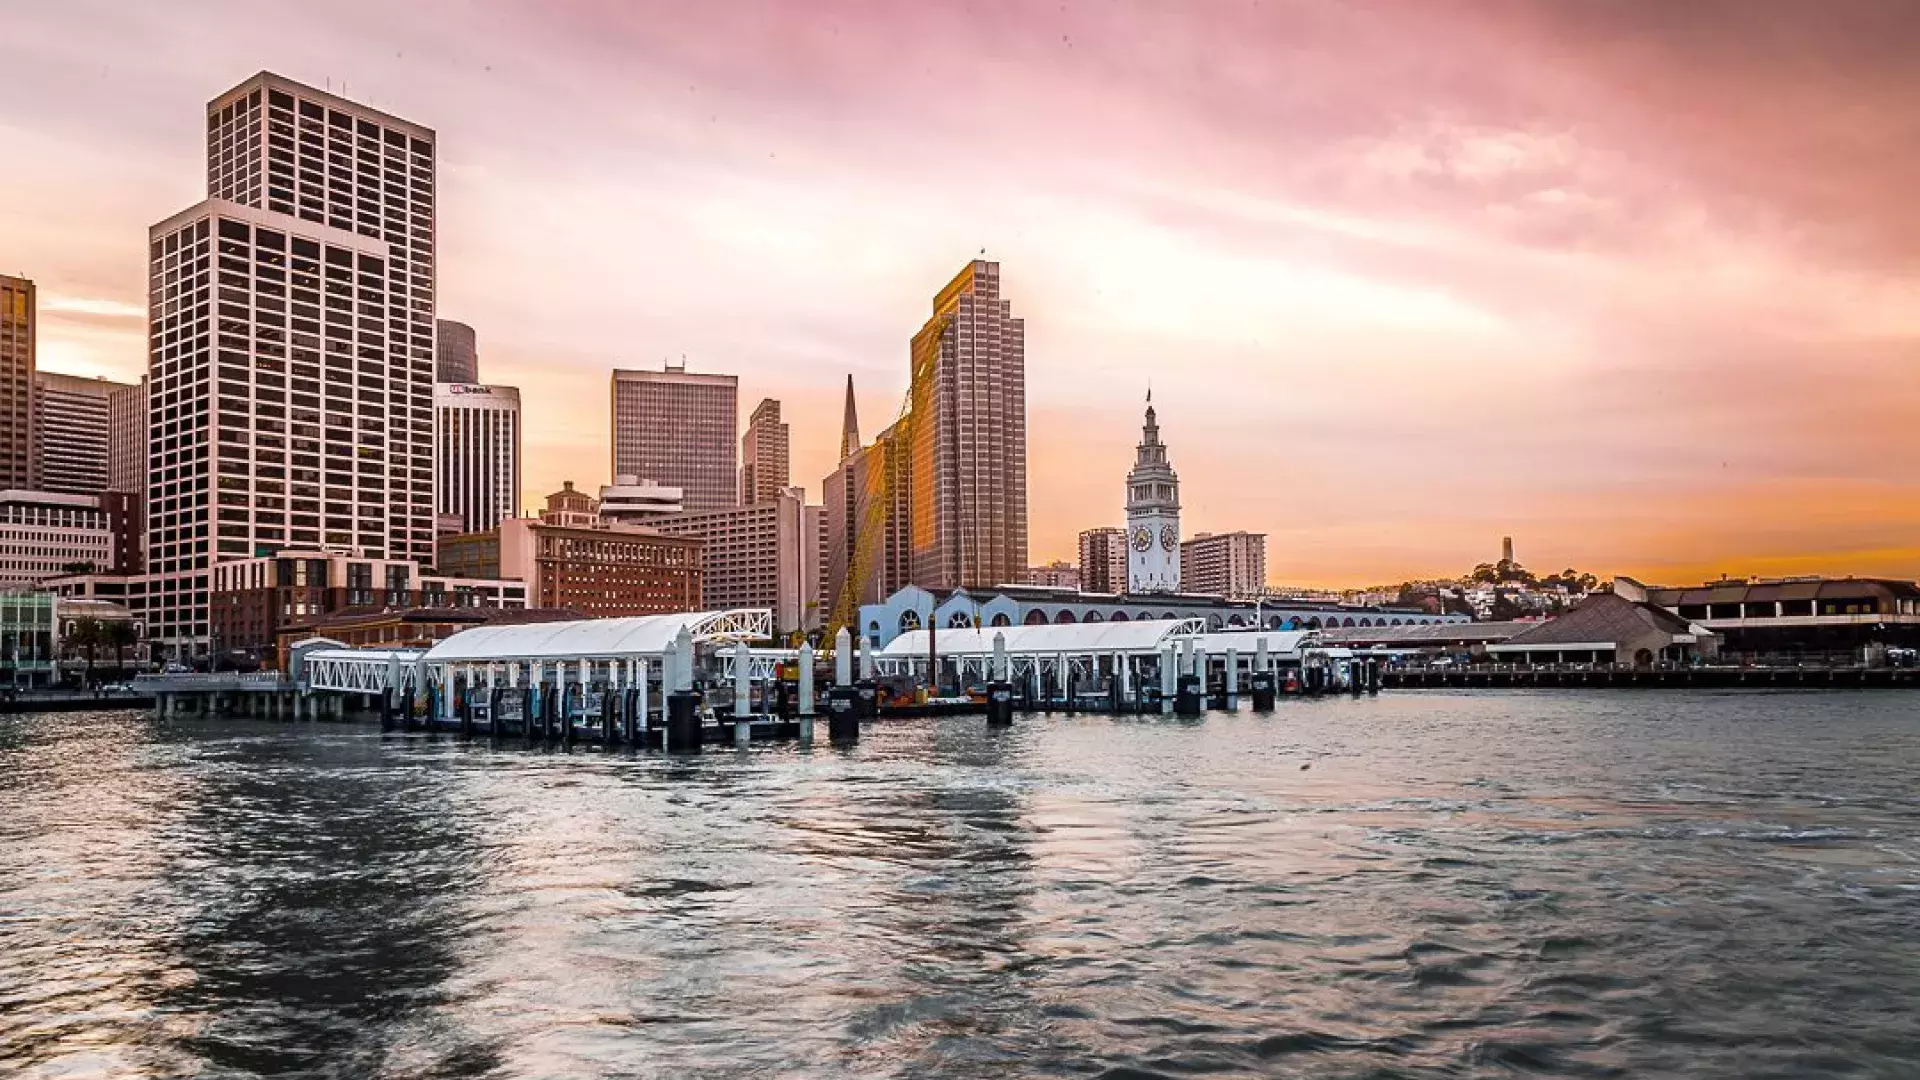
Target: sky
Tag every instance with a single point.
(1636, 283)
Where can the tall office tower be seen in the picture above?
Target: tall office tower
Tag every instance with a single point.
(1153, 515)
(456, 352)
(679, 429)
(969, 435)
(1103, 560)
(476, 458)
(291, 347)
(70, 435)
(763, 455)
(127, 438)
(1233, 565)
(278, 145)
(18, 315)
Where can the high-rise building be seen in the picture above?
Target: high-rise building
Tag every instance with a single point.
(127, 438)
(1103, 560)
(71, 432)
(680, 429)
(1153, 516)
(968, 488)
(291, 347)
(763, 455)
(456, 352)
(764, 555)
(1233, 565)
(476, 460)
(18, 315)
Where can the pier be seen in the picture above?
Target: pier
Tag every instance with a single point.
(1623, 677)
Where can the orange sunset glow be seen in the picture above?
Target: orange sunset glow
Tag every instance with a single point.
(1635, 283)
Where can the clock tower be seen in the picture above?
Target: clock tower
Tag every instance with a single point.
(1153, 515)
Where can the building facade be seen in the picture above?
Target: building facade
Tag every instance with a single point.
(912, 607)
(476, 460)
(456, 353)
(290, 399)
(19, 314)
(29, 639)
(1230, 564)
(1059, 574)
(1103, 560)
(967, 493)
(680, 429)
(254, 599)
(1153, 516)
(45, 534)
(127, 438)
(632, 500)
(71, 434)
(766, 555)
(764, 470)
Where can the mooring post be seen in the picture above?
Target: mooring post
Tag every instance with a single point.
(805, 678)
(742, 693)
(869, 690)
(641, 677)
(1000, 684)
(1233, 678)
(1169, 678)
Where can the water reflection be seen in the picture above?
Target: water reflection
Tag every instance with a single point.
(1563, 884)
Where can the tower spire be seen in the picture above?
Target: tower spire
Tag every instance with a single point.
(849, 426)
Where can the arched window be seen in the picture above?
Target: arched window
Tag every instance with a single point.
(959, 620)
(1169, 615)
(1313, 623)
(1036, 617)
(1145, 616)
(1396, 622)
(1065, 617)
(1119, 616)
(909, 620)
(1275, 622)
(1000, 619)
(1213, 622)
(1349, 621)
(1366, 622)
(1237, 620)
(1094, 616)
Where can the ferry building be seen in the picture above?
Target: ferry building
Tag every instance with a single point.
(1153, 581)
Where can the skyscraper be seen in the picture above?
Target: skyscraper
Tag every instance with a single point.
(1103, 560)
(127, 439)
(763, 455)
(476, 457)
(70, 434)
(762, 555)
(679, 429)
(968, 516)
(864, 511)
(291, 396)
(1153, 516)
(456, 352)
(18, 314)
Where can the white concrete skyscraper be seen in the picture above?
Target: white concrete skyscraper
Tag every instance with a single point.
(291, 347)
(476, 456)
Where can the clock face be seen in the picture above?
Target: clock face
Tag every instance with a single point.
(1142, 538)
(1168, 537)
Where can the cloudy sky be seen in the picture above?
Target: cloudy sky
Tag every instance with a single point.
(1637, 283)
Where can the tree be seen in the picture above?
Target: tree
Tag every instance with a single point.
(77, 568)
(120, 634)
(87, 634)
(1486, 574)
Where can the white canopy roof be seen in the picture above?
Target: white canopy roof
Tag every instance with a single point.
(1279, 642)
(1132, 636)
(640, 635)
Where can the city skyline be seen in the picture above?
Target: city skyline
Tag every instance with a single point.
(1473, 303)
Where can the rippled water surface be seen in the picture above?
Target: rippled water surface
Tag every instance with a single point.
(1560, 884)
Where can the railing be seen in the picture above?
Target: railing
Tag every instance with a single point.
(228, 680)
